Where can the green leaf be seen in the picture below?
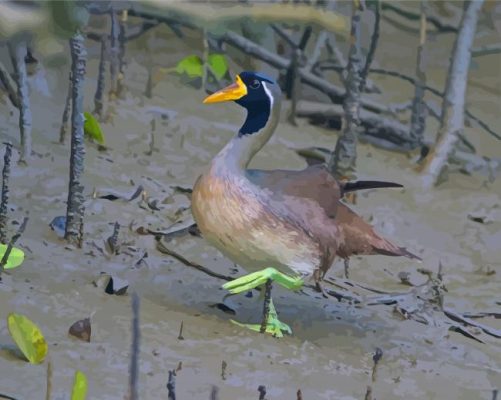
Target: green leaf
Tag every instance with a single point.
(79, 386)
(28, 338)
(16, 257)
(218, 65)
(93, 129)
(191, 66)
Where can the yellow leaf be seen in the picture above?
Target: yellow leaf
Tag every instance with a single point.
(79, 386)
(16, 257)
(28, 338)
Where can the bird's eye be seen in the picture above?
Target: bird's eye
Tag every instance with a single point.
(255, 84)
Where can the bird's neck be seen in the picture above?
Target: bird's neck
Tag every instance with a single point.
(254, 134)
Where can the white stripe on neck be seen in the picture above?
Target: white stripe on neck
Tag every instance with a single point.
(270, 96)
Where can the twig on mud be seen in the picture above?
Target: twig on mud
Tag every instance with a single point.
(171, 385)
(214, 393)
(48, 392)
(347, 268)
(18, 52)
(98, 96)
(12, 242)
(368, 393)
(114, 50)
(487, 314)
(112, 241)
(180, 336)
(5, 192)
(134, 356)
(224, 365)
(262, 392)
(163, 249)
(75, 203)
(375, 358)
(152, 138)
(456, 317)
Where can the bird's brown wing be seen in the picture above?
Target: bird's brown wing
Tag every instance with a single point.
(309, 198)
(314, 183)
(358, 237)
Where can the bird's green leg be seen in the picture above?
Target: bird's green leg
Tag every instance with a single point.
(251, 281)
(270, 324)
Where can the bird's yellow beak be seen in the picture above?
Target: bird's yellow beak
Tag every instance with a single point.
(235, 91)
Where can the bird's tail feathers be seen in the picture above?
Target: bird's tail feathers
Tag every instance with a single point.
(396, 252)
(362, 185)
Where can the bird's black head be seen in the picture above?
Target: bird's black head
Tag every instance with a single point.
(253, 91)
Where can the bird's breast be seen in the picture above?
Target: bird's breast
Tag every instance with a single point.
(240, 222)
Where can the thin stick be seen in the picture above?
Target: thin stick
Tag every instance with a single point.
(171, 385)
(375, 358)
(5, 192)
(75, 204)
(122, 40)
(418, 117)
(181, 327)
(114, 50)
(266, 305)
(347, 269)
(18, 52)
(152, 137)
(224, 365)
(134, 356)
(98, 97)
(214, 393)
(48, 393)
(262, 392)
(163, 249)
(113, 239)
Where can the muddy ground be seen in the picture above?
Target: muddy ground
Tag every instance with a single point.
(330, 354)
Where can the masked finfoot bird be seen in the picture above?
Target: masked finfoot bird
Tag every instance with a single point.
(283, 225)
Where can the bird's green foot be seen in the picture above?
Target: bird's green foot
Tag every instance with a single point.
(251, 281)
(274, 326)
